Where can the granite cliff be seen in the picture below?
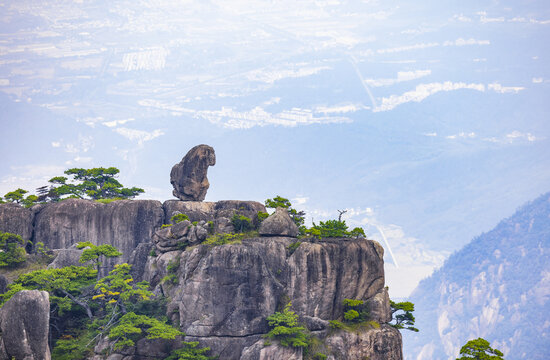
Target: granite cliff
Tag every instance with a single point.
(219, 283)
(222, 295)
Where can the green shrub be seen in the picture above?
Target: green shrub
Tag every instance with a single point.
(292, 247)
(12, 250)
(189, 351)
(261, 216)
(165, 226)
(297, 216)
(178, 218)
(173, 266)
(223, 239)
(241, 223)
(334, 229)
(335, 324)
(284, 327)
(319, 356)
(351, 315)
(355, 311)
(132, 327)
(153, 253)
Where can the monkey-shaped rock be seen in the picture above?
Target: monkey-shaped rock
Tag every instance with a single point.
(188, 177)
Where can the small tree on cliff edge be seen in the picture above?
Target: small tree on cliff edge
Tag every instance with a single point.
(402, 315)
(479, 349)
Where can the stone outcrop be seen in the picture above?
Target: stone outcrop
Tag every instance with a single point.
(224, 294)
(258, 351)
(219, 212)
(16, 219)
(123, 224)
(188, 177)
(180, 235)
(24, 326)
(278, 224)
(376, 344)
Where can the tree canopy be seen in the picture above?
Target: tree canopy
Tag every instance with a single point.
(95, 184)
(479, 349)
(402, 315)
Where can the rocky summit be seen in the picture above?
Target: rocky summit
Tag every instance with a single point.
(221, 295)
(188, 177)
(218, 272)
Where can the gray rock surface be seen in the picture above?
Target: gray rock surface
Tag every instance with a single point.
(188, 177)
(224, 294)
(219, 212)
(377, 344)
(258, 351)
(279, 224)
(16, 219)
(379, 307)
(4, 282)
(179, 235)
(24, 325)
(66, 257)
(124, 224)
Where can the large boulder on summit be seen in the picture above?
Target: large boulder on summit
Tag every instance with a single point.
(16, 219)
(188, 177)
(279, 224)
(24, 326)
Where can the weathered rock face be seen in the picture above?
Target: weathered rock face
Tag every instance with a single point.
(258, 351)
(123, 224)
(188, 177)
(181, 234)
(219, 212)
(24, 325)
(278, 224)
(225, 293)
(16, 219)
(376, 344)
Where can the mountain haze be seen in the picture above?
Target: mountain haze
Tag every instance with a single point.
(497, 287)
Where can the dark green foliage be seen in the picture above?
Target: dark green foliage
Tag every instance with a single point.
(319, 356)
(12, 250)
(358, 233)
(153, 253)
(241, 223)
(297, 216)
(479, 349)
(66, 286)
(172, 268)
(335, 324)
(334, 229)
(178, 218)
(284, 327)
(119, 287)
(404, 319)
(95, 183)
(355, 311)
(331, 228)
(77, 345)
(292, 247)
(223, 239)
(18, 196)
(95, 253)
(131, 327)
(189, 351)
(261, 216)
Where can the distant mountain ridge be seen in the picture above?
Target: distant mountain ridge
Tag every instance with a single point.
(497, 287)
